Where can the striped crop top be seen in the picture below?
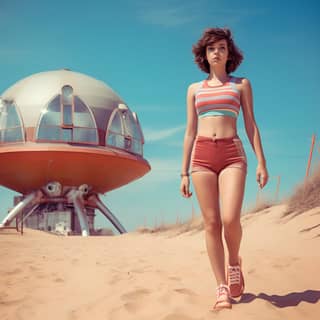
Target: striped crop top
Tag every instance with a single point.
(219, 100)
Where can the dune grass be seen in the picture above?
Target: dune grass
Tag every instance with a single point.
(194, 224)
(261, 205)
(306, 195)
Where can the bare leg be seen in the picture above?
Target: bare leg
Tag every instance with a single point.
(206, 187)
(231, 186)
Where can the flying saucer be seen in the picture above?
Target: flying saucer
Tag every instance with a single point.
(66, 138)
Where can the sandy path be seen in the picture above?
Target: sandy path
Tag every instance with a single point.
(163, 276)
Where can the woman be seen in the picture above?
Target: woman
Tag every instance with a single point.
(217, 158)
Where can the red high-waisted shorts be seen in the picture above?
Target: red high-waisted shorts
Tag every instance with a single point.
(211, 154)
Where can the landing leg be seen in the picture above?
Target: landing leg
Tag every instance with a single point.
(76, 197)
(32, 197)
(107, 213)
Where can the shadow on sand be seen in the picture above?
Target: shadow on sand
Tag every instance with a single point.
(288, 300)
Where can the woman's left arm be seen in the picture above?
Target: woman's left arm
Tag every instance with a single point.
(253, 131)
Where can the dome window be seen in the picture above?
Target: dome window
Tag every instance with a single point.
(67, 119)
(115, 131)
(124, 130)
(11, 128)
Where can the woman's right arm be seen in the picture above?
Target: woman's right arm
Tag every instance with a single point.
(190, 133)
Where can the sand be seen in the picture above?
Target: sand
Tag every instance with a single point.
(161, 276)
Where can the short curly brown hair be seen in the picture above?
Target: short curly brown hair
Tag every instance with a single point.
(211, 36)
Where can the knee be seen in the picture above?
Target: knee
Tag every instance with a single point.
(213, 226)
(230, 224)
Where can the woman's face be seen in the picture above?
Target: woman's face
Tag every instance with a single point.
(217, 53)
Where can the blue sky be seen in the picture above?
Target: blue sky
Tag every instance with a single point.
(142, 49)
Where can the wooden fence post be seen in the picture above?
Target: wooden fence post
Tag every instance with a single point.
(310, 155)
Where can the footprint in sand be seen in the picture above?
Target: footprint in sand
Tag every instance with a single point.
(7, 300)
(33, 268)
(178, 316)
(188, 294)
(12, 272)
(118, 276)
(132, 307)
(135, 300)
(185, 291)
(251, 271)
(136, 294)
(142, 270)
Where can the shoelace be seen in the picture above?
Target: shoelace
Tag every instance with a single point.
(222, 290)
(234, 275)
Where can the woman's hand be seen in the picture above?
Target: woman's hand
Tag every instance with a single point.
(262, 175)
(185, 187)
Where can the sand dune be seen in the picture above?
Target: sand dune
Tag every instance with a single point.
(161, 276)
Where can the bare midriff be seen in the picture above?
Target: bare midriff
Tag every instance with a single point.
(217, 127)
